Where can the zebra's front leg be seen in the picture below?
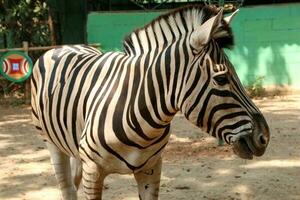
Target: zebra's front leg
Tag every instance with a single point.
(92, 180)
(148, 182)
(61, 164)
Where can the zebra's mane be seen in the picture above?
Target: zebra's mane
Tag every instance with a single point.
(191, 17)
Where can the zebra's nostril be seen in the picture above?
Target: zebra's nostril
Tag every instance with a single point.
(262, 140)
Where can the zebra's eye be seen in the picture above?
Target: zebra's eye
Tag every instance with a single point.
(221, 79)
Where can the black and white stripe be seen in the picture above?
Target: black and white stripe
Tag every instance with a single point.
(113, 111)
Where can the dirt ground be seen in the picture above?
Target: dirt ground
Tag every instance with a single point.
(194, 168)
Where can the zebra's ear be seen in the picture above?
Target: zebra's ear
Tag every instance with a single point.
(203, 33)
(229, 18)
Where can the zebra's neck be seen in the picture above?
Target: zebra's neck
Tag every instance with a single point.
(157, 84)
(160, 55)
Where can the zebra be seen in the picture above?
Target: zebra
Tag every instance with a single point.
(104, 113)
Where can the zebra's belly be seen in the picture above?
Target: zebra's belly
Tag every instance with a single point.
(111, 164)
(115, 157)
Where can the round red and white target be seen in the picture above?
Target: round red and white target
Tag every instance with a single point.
(16, 66)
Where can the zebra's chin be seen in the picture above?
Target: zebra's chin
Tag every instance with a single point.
(242, 148)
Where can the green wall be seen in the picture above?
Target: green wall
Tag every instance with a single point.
(109, 28)
(268, 44)
(267, 40)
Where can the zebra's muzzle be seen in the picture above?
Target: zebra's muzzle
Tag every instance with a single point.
(245, 147)
(242, 149)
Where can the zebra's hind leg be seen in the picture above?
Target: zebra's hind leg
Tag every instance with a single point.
(148, 182)
(76, 168)
(92, 180)
(62, 168)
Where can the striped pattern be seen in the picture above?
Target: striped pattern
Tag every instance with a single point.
(56, 108)
(113, 111)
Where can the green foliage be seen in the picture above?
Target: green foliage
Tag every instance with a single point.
(22, 20)
(255, 88)
(25, 20)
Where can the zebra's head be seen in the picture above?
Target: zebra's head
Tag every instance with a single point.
(214, 99)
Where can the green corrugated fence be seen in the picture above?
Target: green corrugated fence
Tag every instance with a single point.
(267, 40)
(110, 28)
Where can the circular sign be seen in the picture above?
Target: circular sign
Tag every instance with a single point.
(15, 66)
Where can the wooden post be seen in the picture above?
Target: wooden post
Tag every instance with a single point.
(27, 95)
(51, 28)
